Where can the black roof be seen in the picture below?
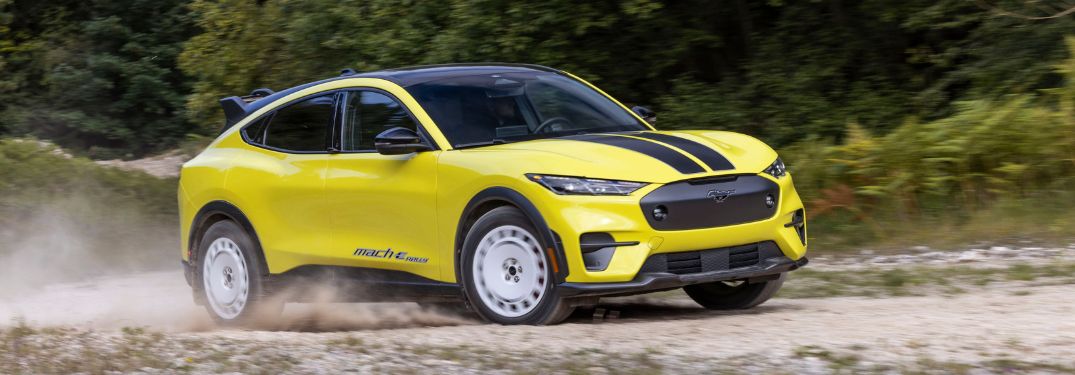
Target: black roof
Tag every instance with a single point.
(406, 76)
(413, 75)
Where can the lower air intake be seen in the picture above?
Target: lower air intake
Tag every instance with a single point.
(743, 257)
(720, 259)
(684, 263)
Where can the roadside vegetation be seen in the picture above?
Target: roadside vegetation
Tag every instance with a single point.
(847, 361)
(922, 280)
(996, 170)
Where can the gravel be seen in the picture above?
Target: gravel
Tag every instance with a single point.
(994, 328)
(991, 257)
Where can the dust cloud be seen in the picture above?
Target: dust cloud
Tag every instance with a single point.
(162, 300)
(321, 313)
(75, 262)
(74, 238)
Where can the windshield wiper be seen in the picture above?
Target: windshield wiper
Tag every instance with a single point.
(494, 141)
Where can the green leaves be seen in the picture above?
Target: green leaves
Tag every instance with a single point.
(135, 76)
(96, 76)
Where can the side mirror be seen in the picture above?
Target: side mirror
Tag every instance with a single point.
(399, 141)
(645, 114)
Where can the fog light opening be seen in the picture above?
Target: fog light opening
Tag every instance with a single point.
(660, 213)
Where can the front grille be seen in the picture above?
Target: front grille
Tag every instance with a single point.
(711, 202)
(719, 259)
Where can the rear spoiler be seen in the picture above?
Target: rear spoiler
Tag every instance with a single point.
(235, 106)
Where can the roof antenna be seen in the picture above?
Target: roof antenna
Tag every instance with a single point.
(348, 72)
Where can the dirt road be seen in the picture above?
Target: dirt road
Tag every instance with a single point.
(997, 329)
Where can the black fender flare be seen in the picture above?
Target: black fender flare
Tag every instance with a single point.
(231, 212)
(514, 198)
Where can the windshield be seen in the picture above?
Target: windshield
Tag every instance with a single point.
(506, 107)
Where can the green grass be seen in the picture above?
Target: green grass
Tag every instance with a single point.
(918, 280)
(848, 361)
(1044, 220)
(838, 362)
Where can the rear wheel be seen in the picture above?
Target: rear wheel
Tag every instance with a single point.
(507, 275)
(231, 278)
(733, 295)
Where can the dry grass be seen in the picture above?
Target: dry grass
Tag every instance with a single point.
(919, 280)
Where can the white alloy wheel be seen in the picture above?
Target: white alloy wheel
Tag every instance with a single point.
(509, 271)
(227, 281)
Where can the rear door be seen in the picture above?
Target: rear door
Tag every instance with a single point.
(384, 213)
(279, 183)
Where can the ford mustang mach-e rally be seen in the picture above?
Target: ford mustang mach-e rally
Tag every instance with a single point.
(517, 192)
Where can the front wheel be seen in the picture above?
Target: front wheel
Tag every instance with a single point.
(733, 295)
(507, 275)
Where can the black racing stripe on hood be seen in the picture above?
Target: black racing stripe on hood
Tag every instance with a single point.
(707, 155)
(665, 154)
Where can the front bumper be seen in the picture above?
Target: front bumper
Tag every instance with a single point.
(625, 222)
(651, 282)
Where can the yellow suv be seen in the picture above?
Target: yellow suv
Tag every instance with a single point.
(514, 191)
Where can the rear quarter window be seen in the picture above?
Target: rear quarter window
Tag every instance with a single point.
(302, 126)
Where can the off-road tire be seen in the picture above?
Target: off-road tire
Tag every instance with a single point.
(259, 307)
(722, 296)
(550, 308)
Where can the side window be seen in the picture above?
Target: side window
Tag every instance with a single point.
(301, 126)
(255, 132)
(368, 113)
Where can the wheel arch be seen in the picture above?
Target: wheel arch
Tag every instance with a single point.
(495, 197)
(217, 211)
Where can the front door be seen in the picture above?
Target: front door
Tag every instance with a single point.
(384, 213)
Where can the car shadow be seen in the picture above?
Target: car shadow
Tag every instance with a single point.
(627, 312)
(353, 317)
(350, 317)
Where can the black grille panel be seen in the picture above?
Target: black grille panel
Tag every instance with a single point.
(720, 259)
(711, 202)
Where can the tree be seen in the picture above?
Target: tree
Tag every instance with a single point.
(97, 76)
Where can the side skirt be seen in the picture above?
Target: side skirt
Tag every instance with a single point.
(313, 283)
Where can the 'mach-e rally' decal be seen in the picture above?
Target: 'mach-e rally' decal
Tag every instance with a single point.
(389, 254)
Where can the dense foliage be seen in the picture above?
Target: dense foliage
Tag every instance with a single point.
(109, 75)
(1003, 166)
(910, 109)
(94, 75)
(777, 70)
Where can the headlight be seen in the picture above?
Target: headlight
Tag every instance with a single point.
(585, 186)
(777, 169)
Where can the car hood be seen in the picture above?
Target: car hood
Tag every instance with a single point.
(651, 156)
